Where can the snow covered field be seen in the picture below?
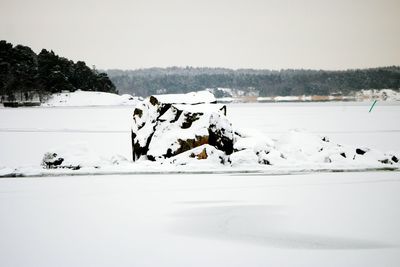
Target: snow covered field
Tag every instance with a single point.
(312, 219)
(319, 219)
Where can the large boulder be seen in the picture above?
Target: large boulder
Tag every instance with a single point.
(167, 125)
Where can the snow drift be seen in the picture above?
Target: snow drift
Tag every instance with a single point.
(88, 98)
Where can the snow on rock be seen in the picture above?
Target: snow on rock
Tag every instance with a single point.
(89, 98)
(163, 129)
(77, 156)
(252, 140)
(243, 157)
(204, 155)
(298, 148)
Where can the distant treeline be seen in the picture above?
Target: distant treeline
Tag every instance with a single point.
(145, 82)
(23, 73)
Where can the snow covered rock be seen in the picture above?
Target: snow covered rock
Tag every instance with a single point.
(78, 156)
(204, 155)
(54, 161)
(301, 149)
(163, 129)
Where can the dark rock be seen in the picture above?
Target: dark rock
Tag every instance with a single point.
(218, 139)
(265, 162)
(138, 112)
(325, 139)
(385, 161)
(360, 151)
(153, 100)
(189, 119)
(189, 144)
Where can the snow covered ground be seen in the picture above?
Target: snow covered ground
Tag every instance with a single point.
(383, 94)
(86, 98)
(318, 219)
(308, 219)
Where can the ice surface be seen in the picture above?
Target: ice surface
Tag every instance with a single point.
(319, 219)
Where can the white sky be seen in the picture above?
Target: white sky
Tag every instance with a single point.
(273, 34)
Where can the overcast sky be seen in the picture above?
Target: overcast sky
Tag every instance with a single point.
(272, 34)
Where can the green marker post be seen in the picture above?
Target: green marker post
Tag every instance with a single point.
(373, 105)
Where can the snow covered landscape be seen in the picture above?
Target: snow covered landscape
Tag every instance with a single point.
(209, 133)
(202, 213)
(268, 138)
(319, 219)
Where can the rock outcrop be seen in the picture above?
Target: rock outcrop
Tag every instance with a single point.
(163, 127)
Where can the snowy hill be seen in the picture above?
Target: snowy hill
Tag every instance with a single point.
(85, 98)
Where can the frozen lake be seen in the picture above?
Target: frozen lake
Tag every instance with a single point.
(320, 219)
(313, 219)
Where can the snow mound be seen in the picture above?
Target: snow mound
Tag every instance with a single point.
(204, 156)
(304, 150)
(89, 98)
(6, 171)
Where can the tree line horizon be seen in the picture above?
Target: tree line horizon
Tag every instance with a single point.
(25, 73)
(148, 81)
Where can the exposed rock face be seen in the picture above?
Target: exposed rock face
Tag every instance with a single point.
(164, 129)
